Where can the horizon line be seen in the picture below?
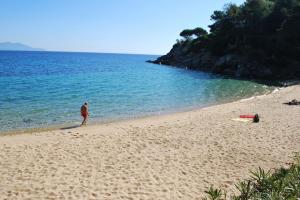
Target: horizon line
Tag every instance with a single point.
(58, 51)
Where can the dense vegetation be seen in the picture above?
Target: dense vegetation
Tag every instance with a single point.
(265, 33)
(269, 27)
(283, 184)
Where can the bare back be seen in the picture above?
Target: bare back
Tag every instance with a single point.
(84, 109)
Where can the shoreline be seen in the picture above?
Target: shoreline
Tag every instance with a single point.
(97, 122)
(175, 156)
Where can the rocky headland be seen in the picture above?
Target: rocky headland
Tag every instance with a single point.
(256, 40)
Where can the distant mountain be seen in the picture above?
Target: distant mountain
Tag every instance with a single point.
(10, 46)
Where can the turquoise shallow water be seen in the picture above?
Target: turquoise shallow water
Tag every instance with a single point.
(39, 89)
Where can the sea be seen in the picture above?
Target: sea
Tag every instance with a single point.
(47, 89)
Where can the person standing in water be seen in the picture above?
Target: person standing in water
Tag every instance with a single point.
(84, 113)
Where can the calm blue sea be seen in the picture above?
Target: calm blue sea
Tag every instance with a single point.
(40, 89)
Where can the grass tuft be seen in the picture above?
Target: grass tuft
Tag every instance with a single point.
(283, 184)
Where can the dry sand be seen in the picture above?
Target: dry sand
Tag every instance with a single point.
(175, 156)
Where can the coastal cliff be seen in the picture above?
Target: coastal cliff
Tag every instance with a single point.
(257, 40)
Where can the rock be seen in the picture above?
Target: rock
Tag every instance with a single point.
(233, 64)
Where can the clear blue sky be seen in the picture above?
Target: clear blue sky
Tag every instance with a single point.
(120, 26)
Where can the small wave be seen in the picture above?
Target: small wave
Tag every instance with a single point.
(247, 99)
(275, 90)
(28, 120)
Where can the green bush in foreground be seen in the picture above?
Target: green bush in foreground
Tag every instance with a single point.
(282, 184)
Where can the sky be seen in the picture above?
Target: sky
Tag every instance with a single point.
(112, 26)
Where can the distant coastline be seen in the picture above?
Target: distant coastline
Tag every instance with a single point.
(15, 46)
(88, 52)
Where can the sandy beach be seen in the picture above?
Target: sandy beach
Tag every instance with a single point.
(175, 156)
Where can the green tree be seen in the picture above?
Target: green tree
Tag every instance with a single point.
(197, 32)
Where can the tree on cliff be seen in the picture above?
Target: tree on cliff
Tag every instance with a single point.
(261, 31)
(197, 32)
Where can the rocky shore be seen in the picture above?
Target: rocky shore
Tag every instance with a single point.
(231, 64)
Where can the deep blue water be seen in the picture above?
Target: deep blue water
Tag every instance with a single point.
(39, 89)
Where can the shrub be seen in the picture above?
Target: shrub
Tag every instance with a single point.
(283, 184)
